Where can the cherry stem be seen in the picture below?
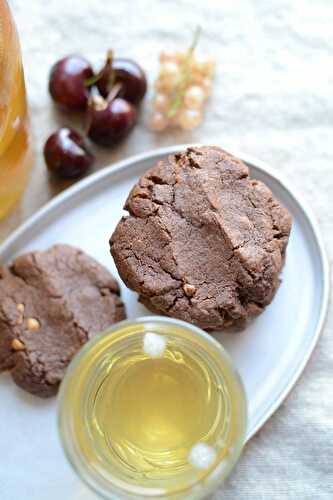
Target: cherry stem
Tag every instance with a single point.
(114, 92)
(109, 56)
(89, 82)
(112, 75)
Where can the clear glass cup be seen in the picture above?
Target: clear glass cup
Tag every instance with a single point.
(15, 140)
(79, 418)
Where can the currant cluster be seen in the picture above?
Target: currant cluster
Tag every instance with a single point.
(109, 100)
(182, 88)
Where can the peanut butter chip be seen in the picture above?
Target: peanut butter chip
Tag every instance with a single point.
(20, 308)
(17, 345)
(189, 290)
(33, 324)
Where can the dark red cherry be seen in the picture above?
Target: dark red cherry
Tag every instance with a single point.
(110, 121)
(66, 154)
(126, 72)
(67, 83)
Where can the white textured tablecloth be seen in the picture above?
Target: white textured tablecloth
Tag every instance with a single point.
(272, 99)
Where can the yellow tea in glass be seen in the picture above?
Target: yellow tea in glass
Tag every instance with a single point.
(15, 147)
(152, 409)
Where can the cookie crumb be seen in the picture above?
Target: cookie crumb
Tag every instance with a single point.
(17, 345)
(20, 308)
(154, 345)
(33, 324)
(202, 456)
(189, 290)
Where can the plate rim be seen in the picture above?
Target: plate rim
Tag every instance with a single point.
(152, 155)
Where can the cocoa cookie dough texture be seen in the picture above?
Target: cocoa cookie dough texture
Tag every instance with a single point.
(203, 241)
(51, 303)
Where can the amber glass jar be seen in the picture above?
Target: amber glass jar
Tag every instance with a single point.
(15, 141)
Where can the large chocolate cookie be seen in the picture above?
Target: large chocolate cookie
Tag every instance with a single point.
(203, 242)
(51, 303)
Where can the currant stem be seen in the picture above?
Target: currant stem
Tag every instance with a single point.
(196, 37)
(185, 76)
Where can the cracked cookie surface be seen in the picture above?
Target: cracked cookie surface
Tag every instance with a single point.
(52, 302)
(203, 242)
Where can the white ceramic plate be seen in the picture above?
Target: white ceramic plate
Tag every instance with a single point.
(270, 354)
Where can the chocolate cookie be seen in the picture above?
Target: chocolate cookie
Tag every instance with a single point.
(51, 303)
(203, 242)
